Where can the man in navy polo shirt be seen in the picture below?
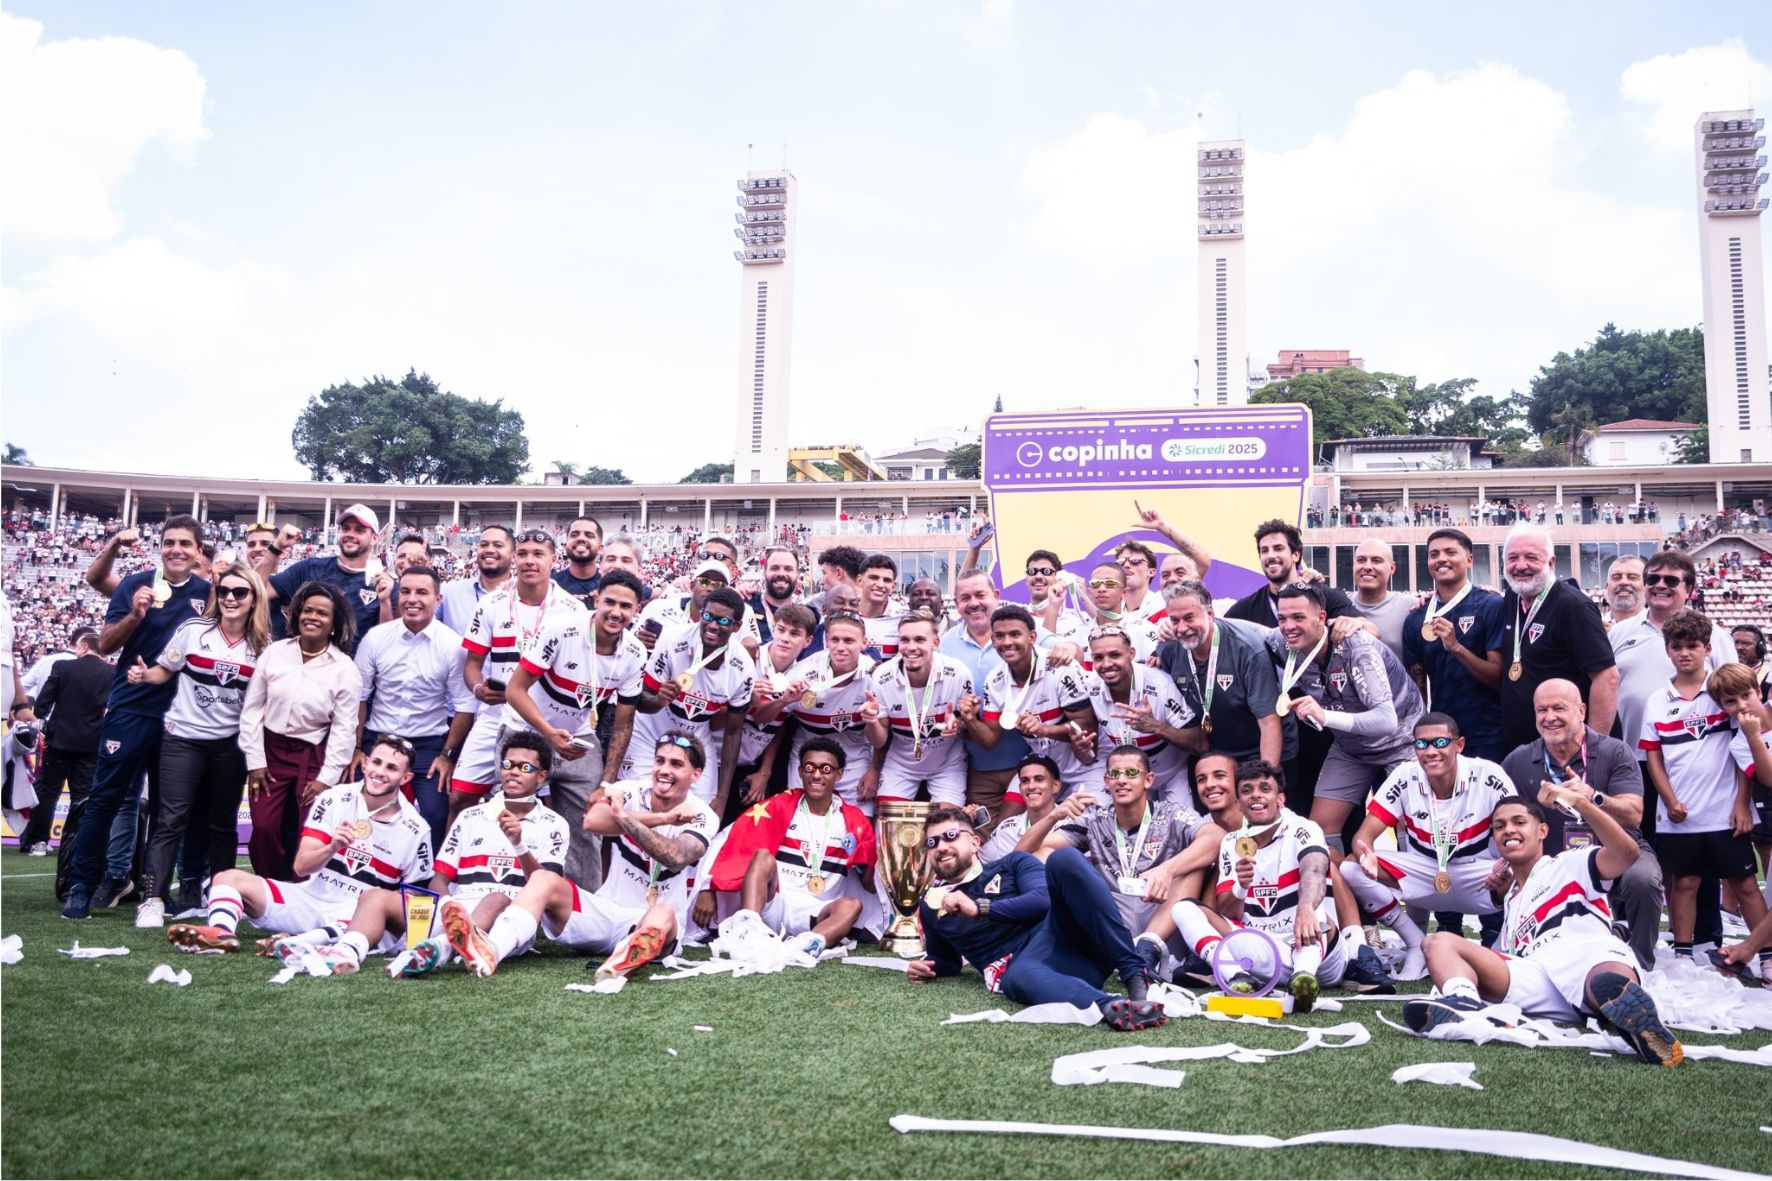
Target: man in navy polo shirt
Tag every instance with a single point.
(347, 570)
(1460, 668)
(145, 610)
(580, 577)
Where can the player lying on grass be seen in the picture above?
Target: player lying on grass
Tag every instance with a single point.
(1038, 933)
(492, 850)
(1273, 876)
(801, 862)
(1558, 956)
(658, 832)
(358, 837)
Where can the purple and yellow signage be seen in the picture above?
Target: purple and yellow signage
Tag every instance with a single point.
(1066, 481)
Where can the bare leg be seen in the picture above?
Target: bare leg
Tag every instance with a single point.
(759, 881)
(1682, 907)
(835, 920)
(1453, 957)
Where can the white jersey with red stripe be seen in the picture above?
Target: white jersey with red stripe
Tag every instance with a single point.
(570, 674)
(834, 713)
(1693, 735)
(755, 738)
(631, 867)
(936, 702)
(674, 610)
(1152, 689)
(700, 711)
(1272, 901)
(479, 859)
(832, 845)
(1405, 799)
(882, 634)
(504, 626)
(1047, 695)
(1562, 899)
(1151, 608)
(397, 850)
(213, 674)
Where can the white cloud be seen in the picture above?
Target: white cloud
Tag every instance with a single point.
(1678, 87)
(994, 24)
(79, 113)
(139, 292)
(1445, 229)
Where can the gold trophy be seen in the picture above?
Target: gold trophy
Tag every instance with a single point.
(904, 872)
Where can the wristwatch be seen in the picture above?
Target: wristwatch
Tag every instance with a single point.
(452, 753)
(984, 908)
(1599, 799)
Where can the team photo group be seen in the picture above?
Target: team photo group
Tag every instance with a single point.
(1086, 797)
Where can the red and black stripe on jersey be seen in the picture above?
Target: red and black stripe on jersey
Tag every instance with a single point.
(502, 654)
(1568, 904)
(642, 861)
(1468, 842)
(564, 691)
(206, 670)
(826, 724)
(358, 865)
(504, 870)
(1679, 731)
(1285, 897)
(835, 860)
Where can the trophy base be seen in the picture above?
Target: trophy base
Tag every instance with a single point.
(903, 939)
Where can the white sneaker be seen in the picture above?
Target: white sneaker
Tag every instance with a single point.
(40, 849)
(151, 913)
(1413, 967)
(1766, 972)
(811, 944)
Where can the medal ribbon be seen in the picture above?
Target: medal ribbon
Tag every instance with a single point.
(815, 857)
(1293, 672)
(1012, 703)
(1205, 691)
(918, 716)
(822, 686)
(1126, 863)
(1530, 615)
(703, 660)
(1443, 837)
(1433, 613)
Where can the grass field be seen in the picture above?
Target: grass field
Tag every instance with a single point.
(514, 1076)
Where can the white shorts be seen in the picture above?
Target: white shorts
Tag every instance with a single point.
(1552, 981)
(293, 909)
(596, 924)
(477, 771)
(947, 785)
(1415, 882)
(1334, 964)
(794, 912)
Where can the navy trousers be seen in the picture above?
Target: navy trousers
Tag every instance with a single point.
(128, 745)
(1081, 941)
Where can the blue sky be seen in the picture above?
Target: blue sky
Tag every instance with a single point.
(214, 211)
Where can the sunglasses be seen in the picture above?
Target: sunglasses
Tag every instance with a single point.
(525, 766)
(1122, 773)
(946, 834)
(1111, 629)
(833, 616)
(1440, 743)
(1664, 580)
(1103, 583)
(710, 583)
(677, 740)
(1134, 560)
(818, 768)
(541, 536)
(233, 592)
(1041, 571)
(720, 620)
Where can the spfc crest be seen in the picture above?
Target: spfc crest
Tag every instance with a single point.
(1338, 681)
(1466, 622)
(1225, 681)
(226, 674)
(1533, 632)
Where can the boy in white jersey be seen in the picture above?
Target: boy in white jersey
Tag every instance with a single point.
(1107, 595)
(919, 692)
(506, 624)
(830, 696)
(578, 668)
(1038, 781)
(1557, 957)
(790, 631)
(1440, 804)
(1137, 705)
(660, 831)
(1706, 807)
(701, 679)
(879, 579)
(1737, 688)
(802, 862)
(487, 858)
(1048, 706)
(1273, 875)
(358, 837)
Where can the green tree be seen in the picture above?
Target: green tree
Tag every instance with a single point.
(965, 461)
(408, 432)
(709, 473)
(17, 456)
(1693, 446)
(997, 407)
(1620, 375)
(1346, 403)
(602, 475)
(1572, 429)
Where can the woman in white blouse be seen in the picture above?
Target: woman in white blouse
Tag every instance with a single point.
(299, 724)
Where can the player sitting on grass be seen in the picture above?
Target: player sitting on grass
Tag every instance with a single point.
(802, 862)
(488, 856)
(1558, 956)
(358, 837)
(658, 833)
(1273, 875)
(1037, 933)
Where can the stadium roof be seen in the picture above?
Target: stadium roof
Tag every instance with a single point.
(1648, 424)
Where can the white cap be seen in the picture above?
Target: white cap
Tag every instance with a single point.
(714, 566)
(363, 513)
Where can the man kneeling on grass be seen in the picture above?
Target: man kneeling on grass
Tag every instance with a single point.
(1562, 960)
(492, 850)
(660, 832)
(1037, 933)
(358, 837)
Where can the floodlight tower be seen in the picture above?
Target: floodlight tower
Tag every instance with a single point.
(1222, 371)
(1730, 175)
(765, 256)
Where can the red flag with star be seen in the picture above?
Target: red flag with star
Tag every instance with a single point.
(762, 826)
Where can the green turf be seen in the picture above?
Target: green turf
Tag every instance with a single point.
(514, 1076)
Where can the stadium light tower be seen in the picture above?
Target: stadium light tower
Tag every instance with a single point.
(1731, 173)
(1222, 369)
(765, 256)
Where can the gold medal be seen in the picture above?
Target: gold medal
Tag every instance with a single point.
(778, 682)
(1442, 882)
(917, 751)
(1284, 705)
(360, 829)
(815, 883)
(592, 718)
(162, 593)
(1247, 848)
(808, 699)
(1427, 631)
(934, 895)
(685, 681)
(1206, 723)
(1515, 671)
(1009, 719)
(651, 895)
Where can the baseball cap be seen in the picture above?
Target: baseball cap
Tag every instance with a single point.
(364, 514)
(713, 566)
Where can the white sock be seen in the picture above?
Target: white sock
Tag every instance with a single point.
(355, 944)
(1306, 960)
(225, 908)
(1354, 936)
(1460, 986)
(1199, 932)
(510, 930)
